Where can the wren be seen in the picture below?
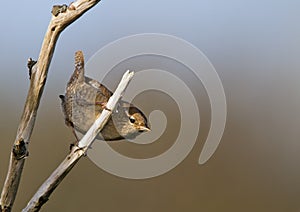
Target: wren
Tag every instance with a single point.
(85, 99)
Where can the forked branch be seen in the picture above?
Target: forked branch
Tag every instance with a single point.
(62, 17)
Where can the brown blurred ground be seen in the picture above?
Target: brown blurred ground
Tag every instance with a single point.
(254, 168)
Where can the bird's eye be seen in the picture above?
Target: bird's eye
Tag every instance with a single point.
(132, 119)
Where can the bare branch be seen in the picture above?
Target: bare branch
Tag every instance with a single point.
(43, 193)
(39, 71)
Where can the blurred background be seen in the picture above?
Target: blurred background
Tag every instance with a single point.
(253, 45)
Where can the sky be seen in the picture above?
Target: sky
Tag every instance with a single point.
(254, 47)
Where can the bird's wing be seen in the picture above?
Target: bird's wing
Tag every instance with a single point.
(102, 93)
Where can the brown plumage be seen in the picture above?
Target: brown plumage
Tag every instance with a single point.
(84, 101)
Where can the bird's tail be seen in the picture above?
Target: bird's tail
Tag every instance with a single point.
(79, 60)
(78, 74)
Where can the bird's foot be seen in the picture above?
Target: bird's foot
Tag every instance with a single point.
(103, 105)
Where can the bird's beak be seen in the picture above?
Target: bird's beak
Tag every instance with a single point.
(144, 129)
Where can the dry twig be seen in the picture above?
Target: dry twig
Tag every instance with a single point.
(43, 193)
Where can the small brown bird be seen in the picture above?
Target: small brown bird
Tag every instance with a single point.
(84, 101)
